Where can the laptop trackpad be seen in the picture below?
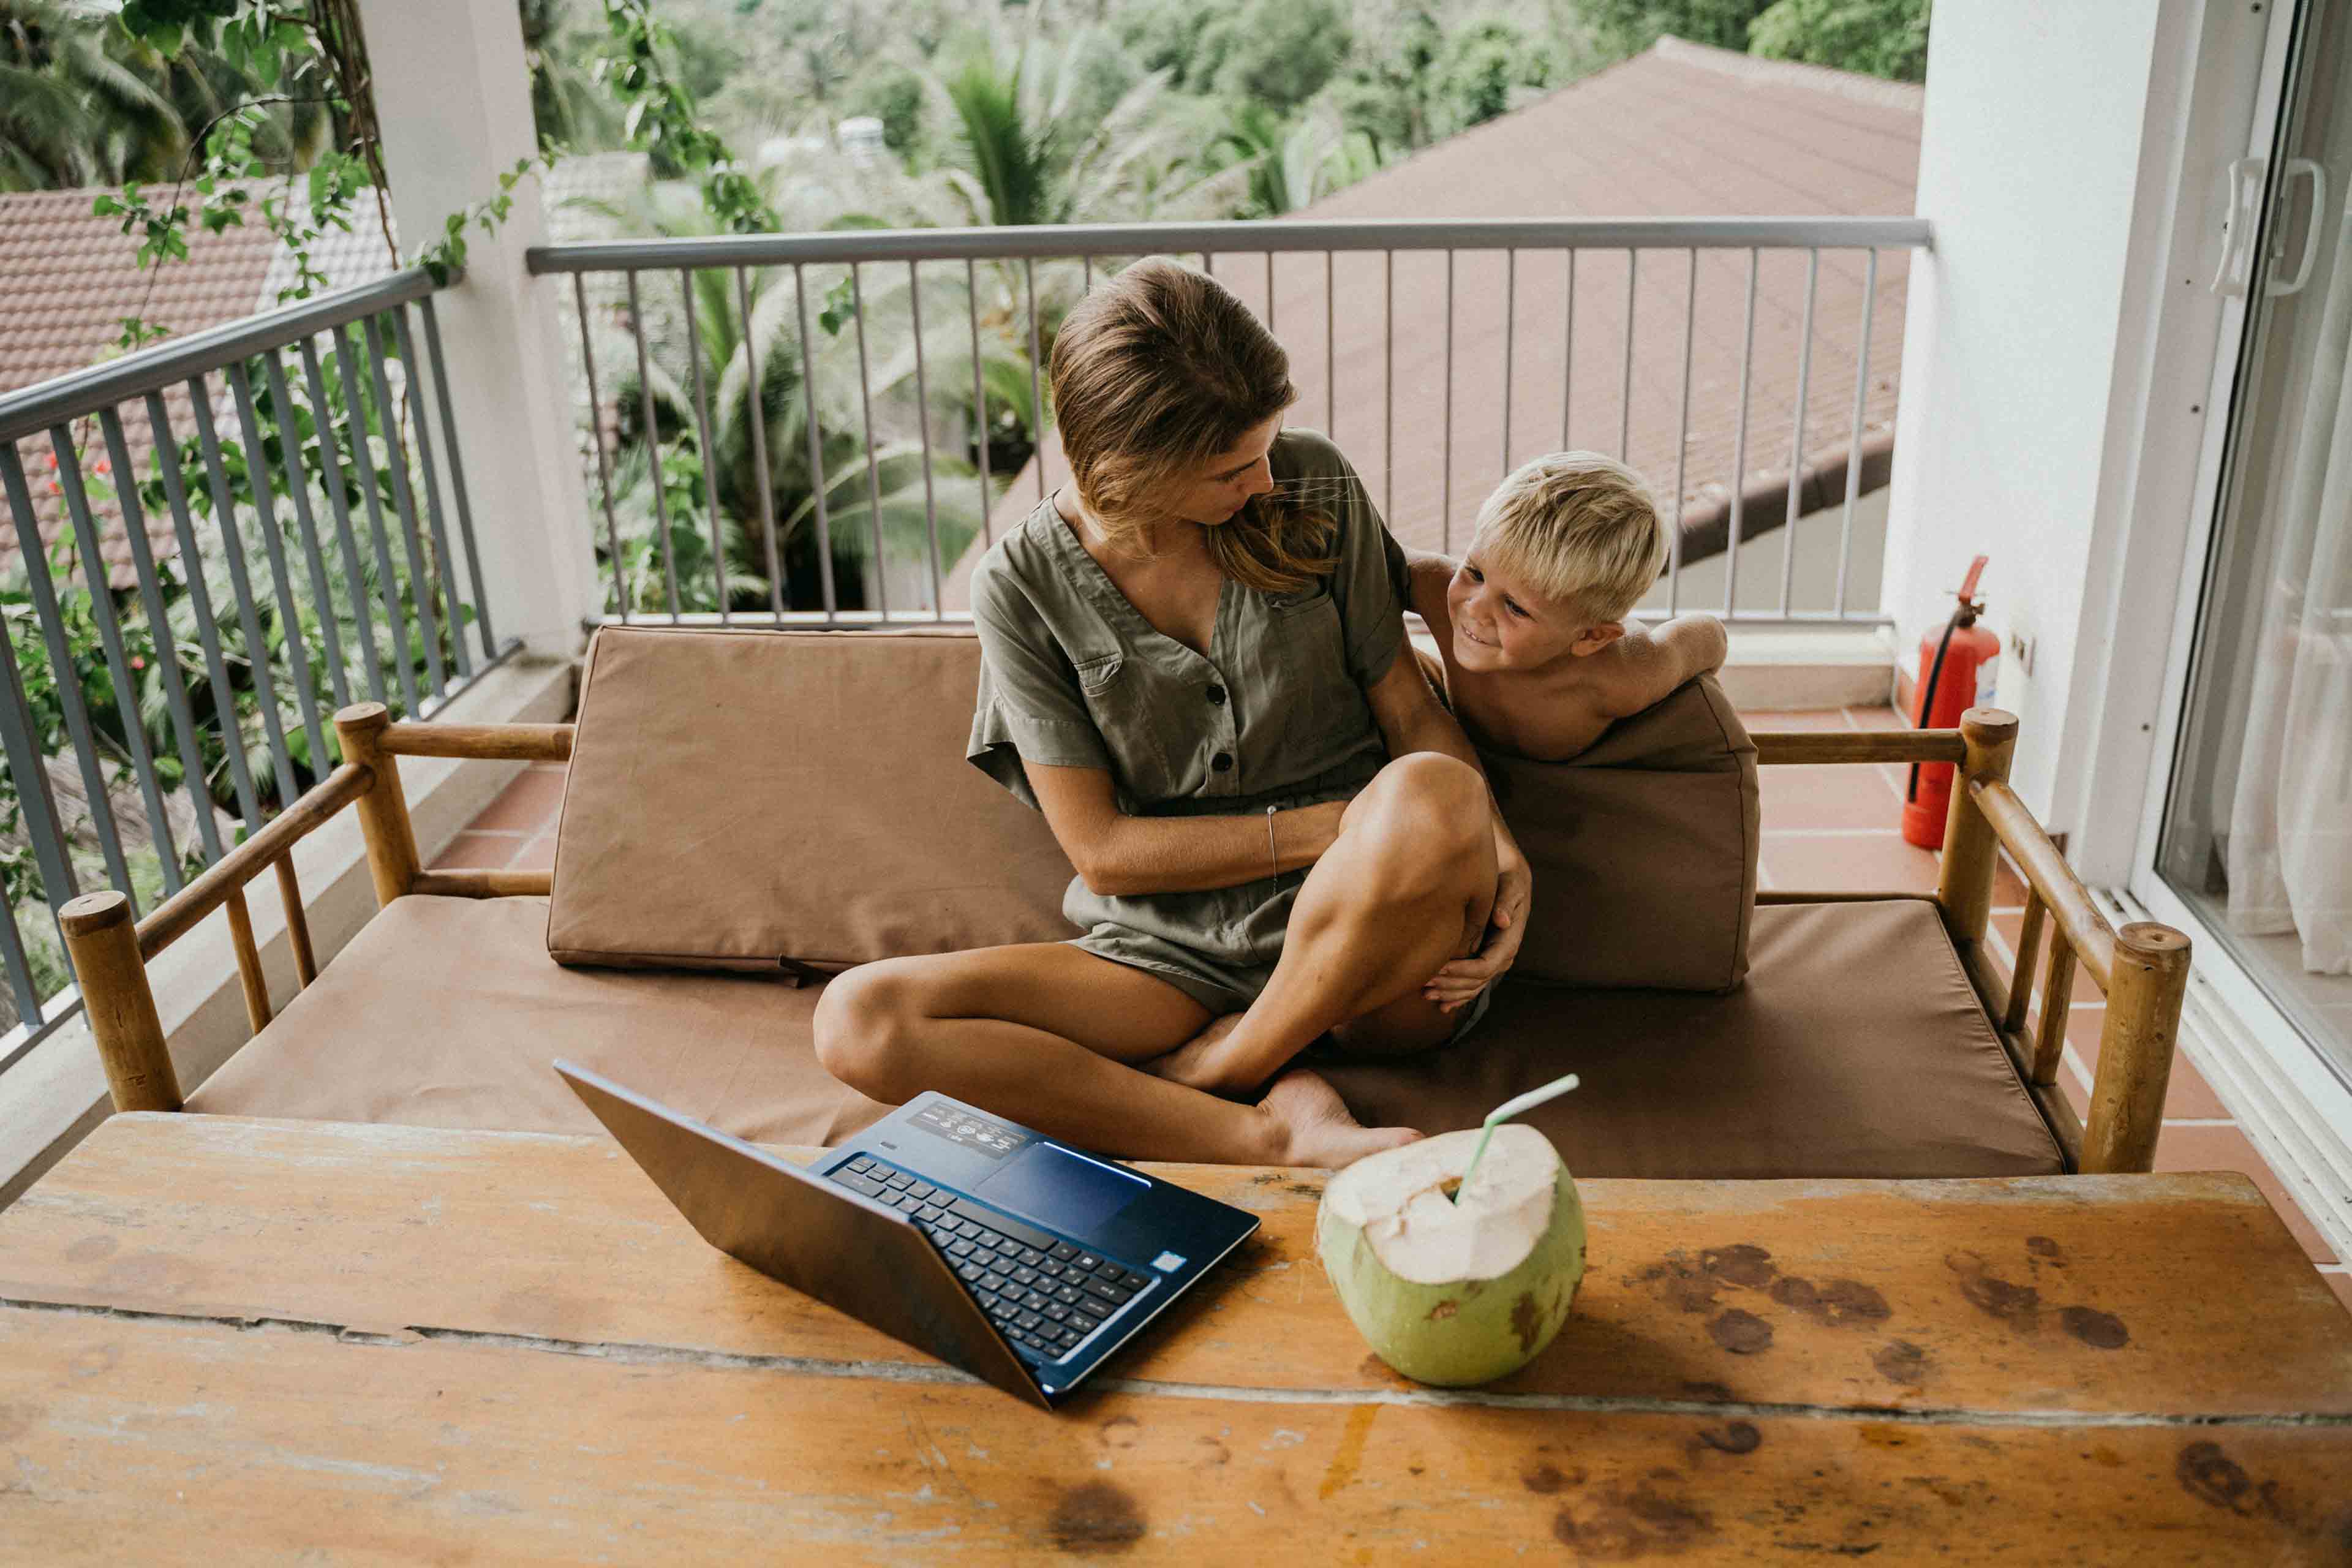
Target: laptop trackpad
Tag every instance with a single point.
(1059, 1188)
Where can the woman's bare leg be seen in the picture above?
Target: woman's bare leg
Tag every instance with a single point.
(1407, 886)
(1042, 1034)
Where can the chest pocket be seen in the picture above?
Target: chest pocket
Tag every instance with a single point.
(1306, 653)
(1122, 696)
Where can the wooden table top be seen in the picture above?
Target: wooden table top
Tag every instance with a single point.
(231, 1340)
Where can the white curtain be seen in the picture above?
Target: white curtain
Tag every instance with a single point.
(2290, 845)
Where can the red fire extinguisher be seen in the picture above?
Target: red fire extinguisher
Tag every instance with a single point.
(1950, 667)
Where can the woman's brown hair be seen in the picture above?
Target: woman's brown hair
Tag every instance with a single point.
(1158, 371)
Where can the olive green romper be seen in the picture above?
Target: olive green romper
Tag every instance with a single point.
(1275, 714)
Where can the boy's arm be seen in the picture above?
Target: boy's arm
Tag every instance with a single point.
(1652, 664)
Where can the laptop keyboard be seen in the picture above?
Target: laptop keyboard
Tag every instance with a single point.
(1044, 1292)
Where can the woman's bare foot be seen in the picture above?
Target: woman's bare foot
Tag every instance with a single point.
(1199, 1064)
(1317, 1126)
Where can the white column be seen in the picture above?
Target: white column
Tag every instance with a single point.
(453, 99)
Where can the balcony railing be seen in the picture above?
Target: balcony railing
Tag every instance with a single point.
(159, 675)
(880, 454)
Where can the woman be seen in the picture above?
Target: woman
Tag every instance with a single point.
(1194, 664)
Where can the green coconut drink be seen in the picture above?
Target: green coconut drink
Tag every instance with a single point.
(1455, 1282)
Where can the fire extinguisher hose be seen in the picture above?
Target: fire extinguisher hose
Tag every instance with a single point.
(1928, 698)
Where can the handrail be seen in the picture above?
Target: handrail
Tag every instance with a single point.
(32, 410)
(2085, 930)
(1244, 235)
(170, 919)
(1865, 746)
(502, 742)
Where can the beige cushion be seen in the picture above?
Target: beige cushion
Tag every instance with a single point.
(446, 1012)
(1643, 848)
(1856, 1048)
(742, 798)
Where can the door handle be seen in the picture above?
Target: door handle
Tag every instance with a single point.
(2235, 223)
(2317, 172)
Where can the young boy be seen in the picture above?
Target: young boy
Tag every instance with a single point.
(1532, 622)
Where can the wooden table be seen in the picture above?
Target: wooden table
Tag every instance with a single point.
(225, 1340)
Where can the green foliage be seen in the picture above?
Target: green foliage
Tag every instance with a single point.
(639, 62)
(1877, 37)
(1628, 26)
(893, 93)
(1278, 52)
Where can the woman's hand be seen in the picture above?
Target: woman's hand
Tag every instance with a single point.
(1458, 982)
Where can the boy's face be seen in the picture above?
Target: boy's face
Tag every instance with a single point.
(1501, 622)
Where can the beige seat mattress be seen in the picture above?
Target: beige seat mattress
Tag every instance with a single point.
(1856, 1049)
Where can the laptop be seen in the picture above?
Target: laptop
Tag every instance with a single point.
(1021, 1259)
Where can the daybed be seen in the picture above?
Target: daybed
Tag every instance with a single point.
(748, 812)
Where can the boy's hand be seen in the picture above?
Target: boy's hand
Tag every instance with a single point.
(1459, 982)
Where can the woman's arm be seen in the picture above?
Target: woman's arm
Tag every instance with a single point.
(1117, 854)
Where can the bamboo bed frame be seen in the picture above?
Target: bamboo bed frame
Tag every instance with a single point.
(2142, 970)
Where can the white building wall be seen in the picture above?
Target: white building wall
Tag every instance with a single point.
(2030, 161)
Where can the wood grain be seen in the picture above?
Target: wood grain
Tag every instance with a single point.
(2171, 1295)
(162, 1443)
(506, 743)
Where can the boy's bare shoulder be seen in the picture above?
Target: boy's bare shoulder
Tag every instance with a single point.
(1648, 663)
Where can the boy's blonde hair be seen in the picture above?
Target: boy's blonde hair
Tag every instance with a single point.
(1581, 528)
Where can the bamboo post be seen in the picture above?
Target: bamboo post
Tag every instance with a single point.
(383, 809)
(2020, 974)
(248, 961)
(116, 999)
(2143, 993)
(1965, 887)
(298, 922)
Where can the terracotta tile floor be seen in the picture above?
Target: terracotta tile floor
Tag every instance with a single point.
(1826, 828)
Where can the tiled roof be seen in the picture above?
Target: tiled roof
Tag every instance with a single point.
(68, 277)
(1681, 131)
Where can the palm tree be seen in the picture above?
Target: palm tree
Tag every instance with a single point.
(1290, 165)
(1023, 157)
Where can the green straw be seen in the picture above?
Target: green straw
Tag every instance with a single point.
(1503, 1114)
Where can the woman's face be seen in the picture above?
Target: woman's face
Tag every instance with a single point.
(1217, 489)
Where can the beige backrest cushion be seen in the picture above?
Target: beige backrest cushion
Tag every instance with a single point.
(739, 798)
(1644, 849)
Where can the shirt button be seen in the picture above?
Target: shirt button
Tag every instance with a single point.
(1217, 694)
(1223, 762)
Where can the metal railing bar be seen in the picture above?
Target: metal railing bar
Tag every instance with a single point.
(923, 418)
(1681, 441)
(355, 421)
(1269, 293)
(248, 619)
(1853, 444)
(1331, 358)
(705, 453)
(1388, 382)
(458, 476)
(1510, 335)
(27, 766)
(84, 392)
(1625, 385)
(1568, 354)
(420, 581)
(322, 414)
(653, 446)
(814, 620)
(437, 527)
(979, 398)
(1796, 438)
(21, 985)
(1037, 241)
(818, 478)
(876, 586)
(1036, 397)
(1739, 448)
(200, 604)
(756, 412)
(118, 661)
(1445, 507)
(159, 628)
(264, 517)
(298, 488)
(603, 462)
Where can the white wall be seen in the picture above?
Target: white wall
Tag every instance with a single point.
(2031, 157)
